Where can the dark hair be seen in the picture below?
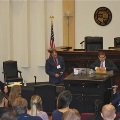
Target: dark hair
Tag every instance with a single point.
(8, 116)
(101, 53)
(64, 99)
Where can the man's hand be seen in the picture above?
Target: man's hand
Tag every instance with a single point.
(101, 68)
(114, 89)
(57, 75)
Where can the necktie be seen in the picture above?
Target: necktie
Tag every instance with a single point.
(101, 64)
(55, 60)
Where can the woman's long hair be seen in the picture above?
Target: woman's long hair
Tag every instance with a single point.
(14, 93)
(36, 104)
(64, 99)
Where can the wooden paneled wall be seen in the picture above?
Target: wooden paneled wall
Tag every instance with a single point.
(69, 23)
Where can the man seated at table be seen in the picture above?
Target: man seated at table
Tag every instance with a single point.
(103, 64)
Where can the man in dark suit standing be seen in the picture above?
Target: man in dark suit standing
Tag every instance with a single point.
(103, 63)
(55, 67)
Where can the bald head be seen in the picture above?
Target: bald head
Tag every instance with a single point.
(108, 112)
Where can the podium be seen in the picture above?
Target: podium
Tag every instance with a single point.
(86, 88)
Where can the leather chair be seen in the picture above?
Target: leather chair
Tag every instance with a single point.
(117, 42)
(93, 43)
(48, 95)
(11, 71)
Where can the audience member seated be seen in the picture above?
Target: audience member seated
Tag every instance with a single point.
(14, 93)
(108, 112)
(71, 114)
(63, 102)
(116, 98)
(36, 107)
(20, 106)
(9, 116)
(3, 104)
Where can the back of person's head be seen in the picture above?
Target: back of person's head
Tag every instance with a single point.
(71, 114)
(37, 101)
(14, 93)
(108, 112)
(20, 105)
(36, 104)
(64, 99)
(1, 97)
(8, 116)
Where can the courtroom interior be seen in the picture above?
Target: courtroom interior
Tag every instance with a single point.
(78, 30)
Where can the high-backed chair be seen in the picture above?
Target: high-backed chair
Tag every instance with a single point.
(117, 42)
(11, 71)
(93, 43)
(48, 95)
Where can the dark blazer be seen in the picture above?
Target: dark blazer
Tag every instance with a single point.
(116, 101)
(25, 116)
(51, 70)
(108, 64)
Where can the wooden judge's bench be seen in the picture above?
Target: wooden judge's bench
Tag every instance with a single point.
(83, 59)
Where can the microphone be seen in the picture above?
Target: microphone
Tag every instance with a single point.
(35, 79)
(82, 42)
(88, 63)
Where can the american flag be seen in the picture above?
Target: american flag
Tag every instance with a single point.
(52, 44)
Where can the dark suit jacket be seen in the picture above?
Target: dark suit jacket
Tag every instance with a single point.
(108, 64)
(51, 70)
(116, 101)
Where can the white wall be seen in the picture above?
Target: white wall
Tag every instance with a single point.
(25, 34)
(86, 26)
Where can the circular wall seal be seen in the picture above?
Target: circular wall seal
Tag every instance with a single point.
(103, 16)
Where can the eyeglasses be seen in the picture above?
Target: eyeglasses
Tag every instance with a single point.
(102, 57)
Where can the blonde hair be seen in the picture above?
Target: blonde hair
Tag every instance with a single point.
(108, 112)
(20, 105)
(36, 104)
(71, 114)
(14, 93)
